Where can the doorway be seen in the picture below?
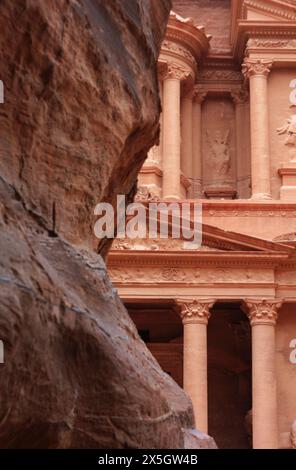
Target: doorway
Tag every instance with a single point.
(229, 377)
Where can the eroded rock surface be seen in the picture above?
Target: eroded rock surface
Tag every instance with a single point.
(81, 103)
(81, 110)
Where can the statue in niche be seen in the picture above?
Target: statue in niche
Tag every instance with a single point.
(290, 130)
(220, 146)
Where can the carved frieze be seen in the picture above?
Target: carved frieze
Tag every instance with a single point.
(218, 75)
(157, 244)
(173, 274)
(178, 50)
(271, 43)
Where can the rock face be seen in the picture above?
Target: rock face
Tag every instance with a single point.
(81, 103)
(81, 110)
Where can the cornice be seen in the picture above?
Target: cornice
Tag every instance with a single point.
(249, 205)
(148, 169)
(186, 259)
(275, 8)
(257, 29)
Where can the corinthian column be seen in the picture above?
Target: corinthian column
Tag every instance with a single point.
(195, 315)
(257, 71)
(172, 131)
(196, 141)
(263, 315)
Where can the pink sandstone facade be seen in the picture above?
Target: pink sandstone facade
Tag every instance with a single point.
(221, 319)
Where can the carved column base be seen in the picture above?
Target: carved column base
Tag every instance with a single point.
(260, 196)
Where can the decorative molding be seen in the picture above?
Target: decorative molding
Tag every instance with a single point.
(178, 51)
(145, 193)
(287, 237)
(262, 311)
(194, 311)
(259, 67)
(193, 38)
(218, 75)
(270, 7)
(177, 72)
(289, 213)
(157, 244)
(166, 274)
(271, 43)
(240, 96)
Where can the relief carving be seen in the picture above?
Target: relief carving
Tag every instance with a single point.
(262, 311)
(145, 194)
(252, 67)
(157, 244)
(220, 147)
(289, 129)
(195, 311)
(220, 75)
(173, 274)
(178, 72)
(179, 50)
(272, 43)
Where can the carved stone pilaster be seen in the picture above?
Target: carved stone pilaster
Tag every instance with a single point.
(195, 311)
(253, 67)
(262, 311)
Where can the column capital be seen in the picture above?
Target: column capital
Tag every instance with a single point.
(239, 96)
(176, 72)
(195, 310)
(258, 67)
(199, 95)
(262, 311)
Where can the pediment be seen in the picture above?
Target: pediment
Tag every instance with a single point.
(214, 239)
(268, 10)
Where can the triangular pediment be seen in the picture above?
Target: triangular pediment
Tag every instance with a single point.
(214, 239)
(268, 10)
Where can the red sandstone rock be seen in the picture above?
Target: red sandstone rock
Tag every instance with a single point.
(194, 439)
(81, 110)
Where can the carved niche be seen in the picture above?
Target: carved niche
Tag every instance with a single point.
(218, 145)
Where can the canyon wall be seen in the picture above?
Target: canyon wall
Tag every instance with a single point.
(80, 112)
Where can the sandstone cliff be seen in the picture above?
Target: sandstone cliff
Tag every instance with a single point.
(81, 110)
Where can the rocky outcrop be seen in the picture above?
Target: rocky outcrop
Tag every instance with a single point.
(81, 110)
(194, 439)
(81, 103)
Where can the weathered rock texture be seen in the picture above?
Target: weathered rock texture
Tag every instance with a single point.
(81, 103)
(81, 110)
